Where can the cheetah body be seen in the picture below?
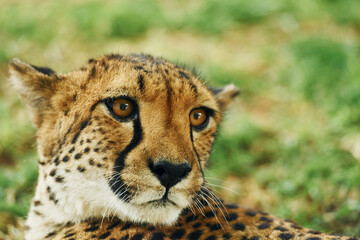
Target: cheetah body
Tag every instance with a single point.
(105, 176)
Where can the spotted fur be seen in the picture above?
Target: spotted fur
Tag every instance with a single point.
(97, 178)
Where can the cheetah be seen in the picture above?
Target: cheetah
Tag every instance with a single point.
(122, 146)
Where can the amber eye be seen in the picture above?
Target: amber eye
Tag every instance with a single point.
(198, 118)
(122, 107)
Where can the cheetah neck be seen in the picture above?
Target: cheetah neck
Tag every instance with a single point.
(52, 208)
(44, 216)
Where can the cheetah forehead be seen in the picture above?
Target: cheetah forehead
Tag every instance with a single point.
(142, 77)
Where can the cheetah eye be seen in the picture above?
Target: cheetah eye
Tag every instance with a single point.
(123, 108)
(199, 118)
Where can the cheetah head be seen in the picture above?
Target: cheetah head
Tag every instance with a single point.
(125, 136)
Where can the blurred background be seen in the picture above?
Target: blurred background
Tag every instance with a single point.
(290, 145)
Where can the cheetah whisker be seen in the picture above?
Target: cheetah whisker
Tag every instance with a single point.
(220, 186)
(217, 200)
(199, 206)
(213, 211)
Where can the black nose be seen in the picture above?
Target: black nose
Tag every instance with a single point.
(169, 174)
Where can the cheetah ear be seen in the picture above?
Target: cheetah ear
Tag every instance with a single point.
(35, 86)
(225, 95)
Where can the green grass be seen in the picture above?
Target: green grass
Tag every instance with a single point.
(326, 75)
(284, 145)
(100, 21)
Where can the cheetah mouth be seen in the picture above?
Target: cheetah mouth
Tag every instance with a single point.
(161, 202)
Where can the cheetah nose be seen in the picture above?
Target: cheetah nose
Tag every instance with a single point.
(169, 174)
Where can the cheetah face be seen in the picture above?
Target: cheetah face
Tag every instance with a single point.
(125, 136)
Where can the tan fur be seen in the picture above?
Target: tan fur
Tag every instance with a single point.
(84, 151)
